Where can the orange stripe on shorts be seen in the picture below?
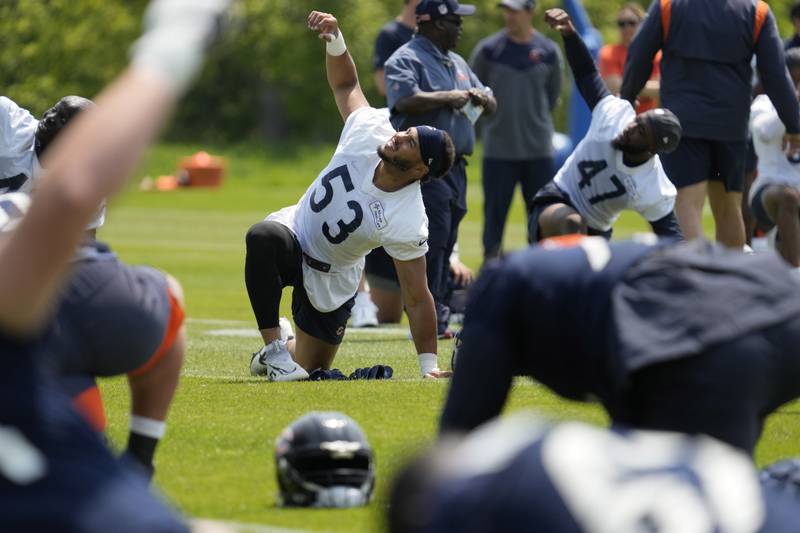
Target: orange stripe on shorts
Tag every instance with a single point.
(89, 403)
(176, 316)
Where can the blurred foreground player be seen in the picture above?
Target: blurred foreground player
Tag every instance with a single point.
(55, 472)
(368, 195)
(687, 337)
(114, 319)
(615, 167)
(522, 474)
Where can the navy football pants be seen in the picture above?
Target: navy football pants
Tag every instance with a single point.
(500, 178)
(445, 202)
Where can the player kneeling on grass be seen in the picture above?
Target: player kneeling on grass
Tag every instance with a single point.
(615, 167)
(367, 196)
(775, 194)
(114, 319)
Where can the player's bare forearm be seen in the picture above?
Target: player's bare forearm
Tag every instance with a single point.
(422, 319)
(418, 303)
(342, 73)
(422, 102)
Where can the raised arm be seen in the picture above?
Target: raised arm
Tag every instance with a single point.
(93, 158)
(342, 74)
(587, 78)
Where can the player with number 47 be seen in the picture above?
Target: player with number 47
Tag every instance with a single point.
(616, 165)
(367, 196)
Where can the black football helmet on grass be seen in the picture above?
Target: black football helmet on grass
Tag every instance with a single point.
(323, 459)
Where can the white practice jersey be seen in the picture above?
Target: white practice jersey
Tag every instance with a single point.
(768, 130)
(19, 164)
(343, 216)
(600, 185)
(17, 147)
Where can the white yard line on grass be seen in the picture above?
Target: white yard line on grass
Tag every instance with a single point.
(216, 321)
(250, 379)
(351, 332)
(205, 525)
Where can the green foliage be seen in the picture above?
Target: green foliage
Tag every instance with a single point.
(56, 47)
(267, 78)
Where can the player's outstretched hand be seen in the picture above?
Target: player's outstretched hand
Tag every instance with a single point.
(438, 374)
(324, 23)
(176, 35)
(559, 20)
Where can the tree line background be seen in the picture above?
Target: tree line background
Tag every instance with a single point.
(267, 79)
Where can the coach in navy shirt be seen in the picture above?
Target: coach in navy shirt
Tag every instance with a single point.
(428, 83)
(705, 80)
(392, 36)
(523, 68)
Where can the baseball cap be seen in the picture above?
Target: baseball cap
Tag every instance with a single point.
(666, 128)
(517, 5)
(435, 9)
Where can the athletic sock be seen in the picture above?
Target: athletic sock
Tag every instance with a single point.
(143, 439)
(363, 298)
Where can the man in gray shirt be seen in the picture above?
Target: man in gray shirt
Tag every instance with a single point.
(523, 68)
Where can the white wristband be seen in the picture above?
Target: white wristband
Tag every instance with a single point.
(428, 362)
(337, 46)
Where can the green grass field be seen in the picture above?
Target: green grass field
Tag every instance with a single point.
(216, 460)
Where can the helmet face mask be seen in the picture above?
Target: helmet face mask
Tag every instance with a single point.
(324, 460)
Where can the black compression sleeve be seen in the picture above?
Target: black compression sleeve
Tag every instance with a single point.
(587, 78)
(273, 262)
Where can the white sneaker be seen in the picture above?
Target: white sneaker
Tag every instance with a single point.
(365, 313)
(275, 362)
(287, 333)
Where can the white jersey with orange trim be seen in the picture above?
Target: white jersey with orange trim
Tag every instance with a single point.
(343, 215)
(600, 184)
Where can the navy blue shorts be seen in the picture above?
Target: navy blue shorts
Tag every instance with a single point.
(328, 327)
(765, 222)
(750, 158)
(113, 319)
(548, 195)
(698, 160)
(70, 481)
(380, 271)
